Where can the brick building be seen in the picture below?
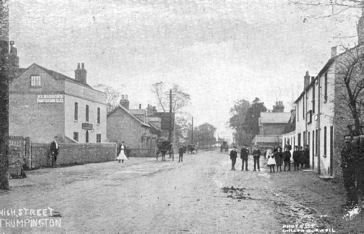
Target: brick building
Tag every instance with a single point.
(45, 104)
(137, 134)
(322, 110)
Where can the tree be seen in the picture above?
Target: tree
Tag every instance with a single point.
(112, 96)
(182, 128)
(350, 74)
(251, 124)
(205, 135)
(237, 121)
(179, 97)
(4, 94)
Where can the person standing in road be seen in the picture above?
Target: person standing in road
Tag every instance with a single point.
(244, 158)
(306, 156)
(181, 151)
(301, 157)
(121, 157)
(287, 159)
(54, 148)
(278, 157)
(348, 168)
(296, 158)
(233, 156)
(256, 157)
(271, 161)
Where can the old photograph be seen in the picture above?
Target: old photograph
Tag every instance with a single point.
(181, 116)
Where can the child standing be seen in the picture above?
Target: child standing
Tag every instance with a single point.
(271, 161)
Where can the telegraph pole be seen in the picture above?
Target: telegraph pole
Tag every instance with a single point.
(4, 94)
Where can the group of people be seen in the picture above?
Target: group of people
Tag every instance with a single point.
(276, 158)
(163, 150)
(244, 153)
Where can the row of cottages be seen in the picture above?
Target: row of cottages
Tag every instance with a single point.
(271, 127)
(322, 110)
(45, 104)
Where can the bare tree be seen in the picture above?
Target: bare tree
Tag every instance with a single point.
(350, 71)
(112, 96)
(179, 97)
(4, 94)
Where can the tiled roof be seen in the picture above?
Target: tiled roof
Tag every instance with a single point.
(130, 114)
(267, 139)
(274, 117)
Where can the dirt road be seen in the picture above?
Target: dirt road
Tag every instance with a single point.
(200, 195)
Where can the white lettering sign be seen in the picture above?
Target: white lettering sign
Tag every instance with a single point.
(50, 98)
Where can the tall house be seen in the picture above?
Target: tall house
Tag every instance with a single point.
(322, 111)
(45, 104)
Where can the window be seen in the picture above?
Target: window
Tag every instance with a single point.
(331, 150)
(76, 111)
(313, 142)
(98, 138)
(325, 139)
(325, 97)
(98, 115)
(304, 139)
(309, 117)
(87, 136)
(298, 111)
(317, 136)
(35, 81)
(75, 136)
(303, 106)
(87, 113)
(299, 139)
(313, 98)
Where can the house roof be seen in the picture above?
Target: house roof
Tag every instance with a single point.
(130, 114)
(321, 72)
(59, 76)
(138, 111)
(274, 117)
(267, 139)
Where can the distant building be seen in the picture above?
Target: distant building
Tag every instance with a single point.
(45, 104)
(271, 126)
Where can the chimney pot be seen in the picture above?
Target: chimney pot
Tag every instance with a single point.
(306, 80)
(82, 66)
(78, 65)
(333, 51)
(140, 106)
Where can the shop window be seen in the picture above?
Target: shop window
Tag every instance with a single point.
(76, 111)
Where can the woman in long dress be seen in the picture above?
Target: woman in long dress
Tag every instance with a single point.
(121, 157)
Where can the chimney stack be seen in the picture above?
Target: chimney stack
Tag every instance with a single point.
(140, 106)
(81, 73)
(306, 80)
(124, 101)
(13, 56)
(333, 51)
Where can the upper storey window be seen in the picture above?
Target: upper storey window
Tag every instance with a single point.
(35, 81)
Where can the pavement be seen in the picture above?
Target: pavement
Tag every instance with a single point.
(200, 195)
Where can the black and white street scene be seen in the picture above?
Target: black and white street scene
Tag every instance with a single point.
(182, 116)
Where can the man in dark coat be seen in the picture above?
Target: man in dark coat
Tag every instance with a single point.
(348, 168)
(296, 158)
(181, 151)
(244, 158)
(54, 149)
(301, 158)
(287, 159)
(256, 157)
(233, 156)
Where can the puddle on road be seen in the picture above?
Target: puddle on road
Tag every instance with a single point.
(236, 193)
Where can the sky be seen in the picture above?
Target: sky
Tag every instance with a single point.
(218, 51)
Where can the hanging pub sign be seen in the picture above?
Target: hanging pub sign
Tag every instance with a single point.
(50, 98)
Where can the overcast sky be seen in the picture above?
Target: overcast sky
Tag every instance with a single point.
(219, 51)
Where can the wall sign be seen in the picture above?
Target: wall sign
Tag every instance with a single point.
(87, 126)
(50, 98)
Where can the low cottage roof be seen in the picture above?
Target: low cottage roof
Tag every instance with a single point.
(267, 139)
(274, 117)
(130, 114)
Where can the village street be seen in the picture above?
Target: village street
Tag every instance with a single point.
(200, 195)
